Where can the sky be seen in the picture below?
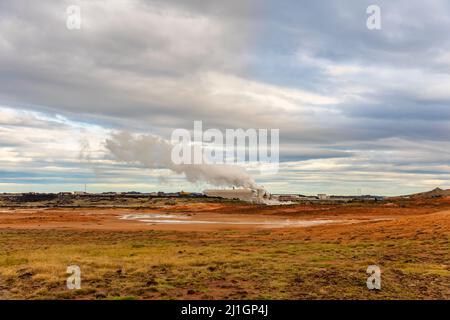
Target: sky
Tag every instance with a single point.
(359, 111)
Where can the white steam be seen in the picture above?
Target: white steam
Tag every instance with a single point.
(155, 153)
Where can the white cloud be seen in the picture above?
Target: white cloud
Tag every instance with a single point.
(348, 102)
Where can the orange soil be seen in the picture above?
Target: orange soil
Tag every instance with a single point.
(109, 219)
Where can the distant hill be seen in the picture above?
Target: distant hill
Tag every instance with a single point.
(435, 193)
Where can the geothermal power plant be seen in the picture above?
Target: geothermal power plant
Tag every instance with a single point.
(244, 194)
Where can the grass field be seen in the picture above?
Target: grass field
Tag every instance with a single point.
(321, 262)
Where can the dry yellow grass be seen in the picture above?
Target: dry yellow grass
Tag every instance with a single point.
(322, 262)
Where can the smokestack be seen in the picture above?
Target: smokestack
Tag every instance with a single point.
(155, 153)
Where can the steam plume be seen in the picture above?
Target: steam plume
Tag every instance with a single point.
(155, 153)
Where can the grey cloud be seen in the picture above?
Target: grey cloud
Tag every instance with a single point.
(158, 65)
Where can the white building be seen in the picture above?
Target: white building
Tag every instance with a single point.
(323, 196)
(244, 194)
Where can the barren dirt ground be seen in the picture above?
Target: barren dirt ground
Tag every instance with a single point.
(228, 251)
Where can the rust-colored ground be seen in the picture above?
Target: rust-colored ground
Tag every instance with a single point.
(409, 240)
(216, 214)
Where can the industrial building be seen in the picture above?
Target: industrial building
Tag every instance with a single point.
(243, 194)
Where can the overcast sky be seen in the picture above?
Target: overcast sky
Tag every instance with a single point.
(358, 110)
